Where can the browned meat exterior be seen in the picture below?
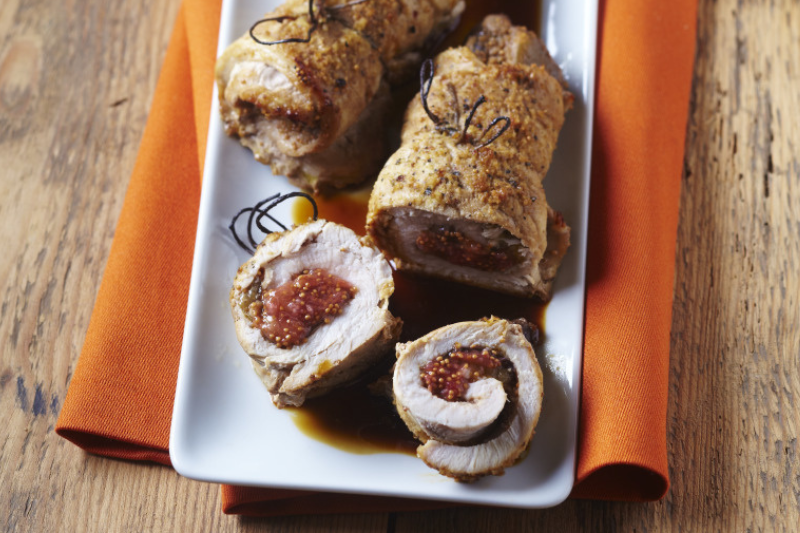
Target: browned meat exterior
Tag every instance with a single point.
(452, 202)
(303, 335)
(498, 42)
(306, 107)
(483, 418)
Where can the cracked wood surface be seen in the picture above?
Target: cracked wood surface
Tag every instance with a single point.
(76, 80)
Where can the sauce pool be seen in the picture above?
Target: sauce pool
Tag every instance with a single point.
(355, 420)
(346, 208)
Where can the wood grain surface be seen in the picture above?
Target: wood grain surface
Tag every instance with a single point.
(76, 79)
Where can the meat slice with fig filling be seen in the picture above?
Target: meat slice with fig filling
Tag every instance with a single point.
(472, 393)
(311, 310)
(306, 88)
(462, 198)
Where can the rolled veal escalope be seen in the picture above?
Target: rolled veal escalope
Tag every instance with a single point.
(462, 197)
(306, 88)
(311, 310)
(472, 393)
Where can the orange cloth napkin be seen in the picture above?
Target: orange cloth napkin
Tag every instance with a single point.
(120, 398)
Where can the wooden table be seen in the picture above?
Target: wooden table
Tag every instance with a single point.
(76, 79)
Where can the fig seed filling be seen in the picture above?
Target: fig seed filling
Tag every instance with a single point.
(458, 249)
(448, 376)
(288, 314)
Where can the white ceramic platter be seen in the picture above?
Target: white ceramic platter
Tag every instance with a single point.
(225, 428)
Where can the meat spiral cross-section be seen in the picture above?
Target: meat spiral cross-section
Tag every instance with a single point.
(485, 429)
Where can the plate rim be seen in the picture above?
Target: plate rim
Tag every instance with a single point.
(182, 461)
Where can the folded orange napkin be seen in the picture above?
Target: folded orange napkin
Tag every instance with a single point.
(120, 397)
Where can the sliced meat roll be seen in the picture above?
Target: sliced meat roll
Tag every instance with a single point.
(311, 310)
(462, 198)
(305, 90)
(472, 393)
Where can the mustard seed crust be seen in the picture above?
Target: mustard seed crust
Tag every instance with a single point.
(448, 171)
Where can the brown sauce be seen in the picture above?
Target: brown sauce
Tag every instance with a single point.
(354, 419)
(526, 14)
(348, 209)
(426, 304)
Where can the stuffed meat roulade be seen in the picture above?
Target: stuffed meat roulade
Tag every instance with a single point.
(472, 393)
(306, 88)
(462, 198)
(311, 310)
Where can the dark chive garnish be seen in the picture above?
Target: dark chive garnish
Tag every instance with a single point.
(258, 212)
(425, 82)
(496, 135)
(478, 103)
(311, 17)
(426, 74)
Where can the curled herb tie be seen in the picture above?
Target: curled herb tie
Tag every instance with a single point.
(425, 81)
(492, 125)
(426, 74)
(258, 212)
(479, 102)
(495, 122)
(312, 17)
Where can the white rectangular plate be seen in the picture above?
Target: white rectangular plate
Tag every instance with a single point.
(225, 428)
